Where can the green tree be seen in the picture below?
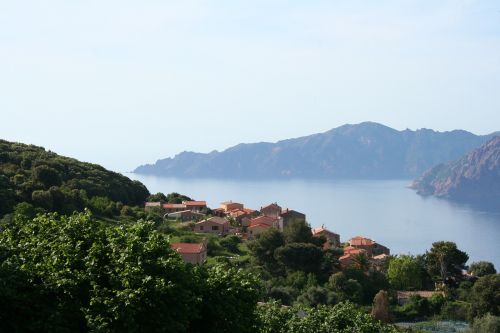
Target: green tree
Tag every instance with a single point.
(264, 246)
(482, 268)
(485, 296)
(68, 274)
(158, 197)
(317, 295)
(298, 231)
(404, 273)
(300, 257)
(341, 318)
(445, 260)
(230, 243)
(7, 195)
(229, 298)
(345, 288)
(486, 324)
(47, 176)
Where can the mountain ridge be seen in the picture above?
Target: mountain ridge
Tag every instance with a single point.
(367, 150)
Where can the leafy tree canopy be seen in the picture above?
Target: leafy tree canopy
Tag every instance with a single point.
(56, 183)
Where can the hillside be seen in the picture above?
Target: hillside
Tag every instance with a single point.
(367, 150)
(56, 183)
(474, 178)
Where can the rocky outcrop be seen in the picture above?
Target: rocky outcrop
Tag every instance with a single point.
(474, 178)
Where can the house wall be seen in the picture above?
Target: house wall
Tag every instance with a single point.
(211, 227)
(231, 206)
(194, 258)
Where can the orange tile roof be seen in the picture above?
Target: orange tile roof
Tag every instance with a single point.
(215, 219)
(263, 219)
(361, 241)
(188, 247)
(273, 205)
(353, 250)
(316, 231)
(262, 225)
(174, 205)
(195, 203)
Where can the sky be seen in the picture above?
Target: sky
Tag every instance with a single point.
(123, 83)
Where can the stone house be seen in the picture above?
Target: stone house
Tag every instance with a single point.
(372, 247)
(214, 225)
(193, 253)
(332, 238)
(289, 215)
(272, 210)
(228, 206)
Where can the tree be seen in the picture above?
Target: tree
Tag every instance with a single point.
(404, 273)
(485, 296)
(176, 198)
(158, 197)
(345, 288)
(69, 274)
(486, 324)
(445, 260)
(298, 231)
(482, 268)
(380, 308)
(342, 318)
(317, 295)
(7, 196)
(264, 246)
(229, 298)
(230, 243)
(47, 176)
(300, 257)
(361, 262)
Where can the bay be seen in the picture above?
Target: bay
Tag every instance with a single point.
(383, 210)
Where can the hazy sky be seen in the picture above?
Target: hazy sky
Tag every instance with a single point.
(122, 83)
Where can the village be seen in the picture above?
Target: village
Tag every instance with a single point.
(233, 218)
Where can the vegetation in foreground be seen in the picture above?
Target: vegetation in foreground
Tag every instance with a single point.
(74, 274)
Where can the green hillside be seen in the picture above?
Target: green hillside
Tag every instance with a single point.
(47, 180)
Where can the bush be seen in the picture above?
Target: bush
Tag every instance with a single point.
(485, 296)
(341, 318)
(455, 310)
(230, 243)
(486, 324)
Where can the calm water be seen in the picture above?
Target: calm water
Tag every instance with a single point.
(384, 210)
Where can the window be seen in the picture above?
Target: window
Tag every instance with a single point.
(215, 227)
(201, 227)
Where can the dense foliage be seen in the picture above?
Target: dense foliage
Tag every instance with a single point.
(71, 274)
(56, 183)
(341, 318)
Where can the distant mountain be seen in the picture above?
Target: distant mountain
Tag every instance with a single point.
(474, 178)
(367, 151)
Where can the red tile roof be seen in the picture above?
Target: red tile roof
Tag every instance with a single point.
(188, 247)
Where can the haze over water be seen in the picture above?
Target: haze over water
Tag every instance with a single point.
(384, 210)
